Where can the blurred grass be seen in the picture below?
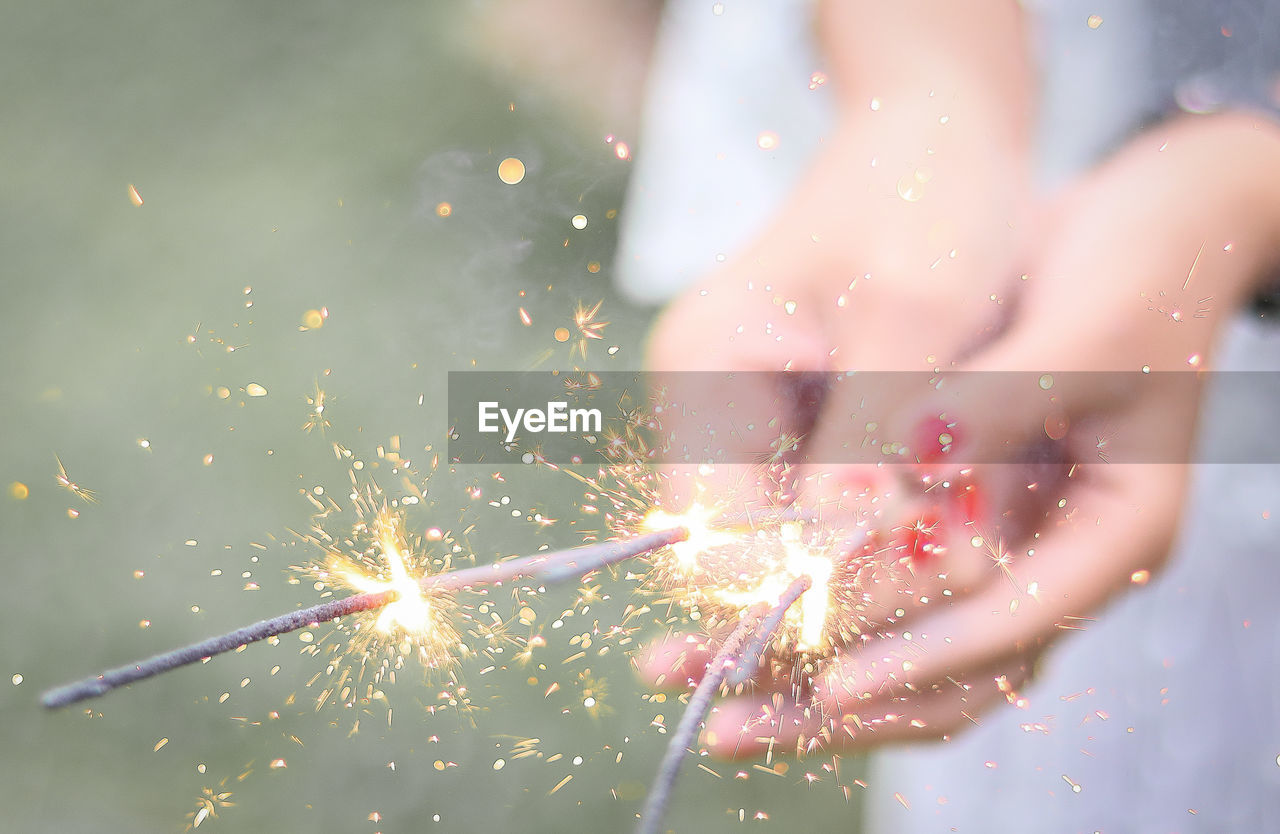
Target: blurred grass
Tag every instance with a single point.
(299, 151)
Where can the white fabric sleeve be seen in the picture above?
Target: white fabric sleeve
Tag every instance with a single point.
(730, 120)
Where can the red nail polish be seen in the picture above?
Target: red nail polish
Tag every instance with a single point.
(933, 439)
(918, 539)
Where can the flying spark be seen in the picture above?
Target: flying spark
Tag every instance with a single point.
(64, 481)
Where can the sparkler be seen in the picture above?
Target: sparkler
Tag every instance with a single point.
(753, 653)
(791, 598)
(723, 570)
(550, 567)
(760, 621)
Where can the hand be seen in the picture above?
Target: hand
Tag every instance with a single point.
(910, 213)
(1181, 219)
(790, 304)
(851, 275)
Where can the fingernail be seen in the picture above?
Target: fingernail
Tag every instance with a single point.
(933, 439)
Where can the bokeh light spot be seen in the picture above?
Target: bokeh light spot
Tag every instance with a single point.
(510, 171)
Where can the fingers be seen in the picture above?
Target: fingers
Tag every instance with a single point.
(855, 441)
(745, 727)
(1121, 522)
(930, 678)
(919, 554)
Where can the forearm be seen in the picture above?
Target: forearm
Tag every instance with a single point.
(933, 103)
(1241, 151)
(1218, 178)
(940, 67)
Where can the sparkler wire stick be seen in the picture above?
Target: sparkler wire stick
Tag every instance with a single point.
(96, 685)
(753, 654)
(757, 620)
(553, 566)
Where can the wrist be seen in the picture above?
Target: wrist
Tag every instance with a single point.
(965, 63)
(1226, 172)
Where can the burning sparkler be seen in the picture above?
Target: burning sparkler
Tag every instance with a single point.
(790, 585)
(550, 567)
(724, 570)
(759, 623)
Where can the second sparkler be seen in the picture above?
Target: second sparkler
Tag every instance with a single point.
(549, 567)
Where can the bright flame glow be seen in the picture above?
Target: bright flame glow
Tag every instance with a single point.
(410, 611)
(697, 520)
(810, 613)
(735, 568)
(808, 617)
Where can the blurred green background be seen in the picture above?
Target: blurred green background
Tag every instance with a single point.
(292, 158)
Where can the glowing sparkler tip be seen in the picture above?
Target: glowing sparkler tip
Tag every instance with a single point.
(727, 565)
(409, 610)
(701, 536)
